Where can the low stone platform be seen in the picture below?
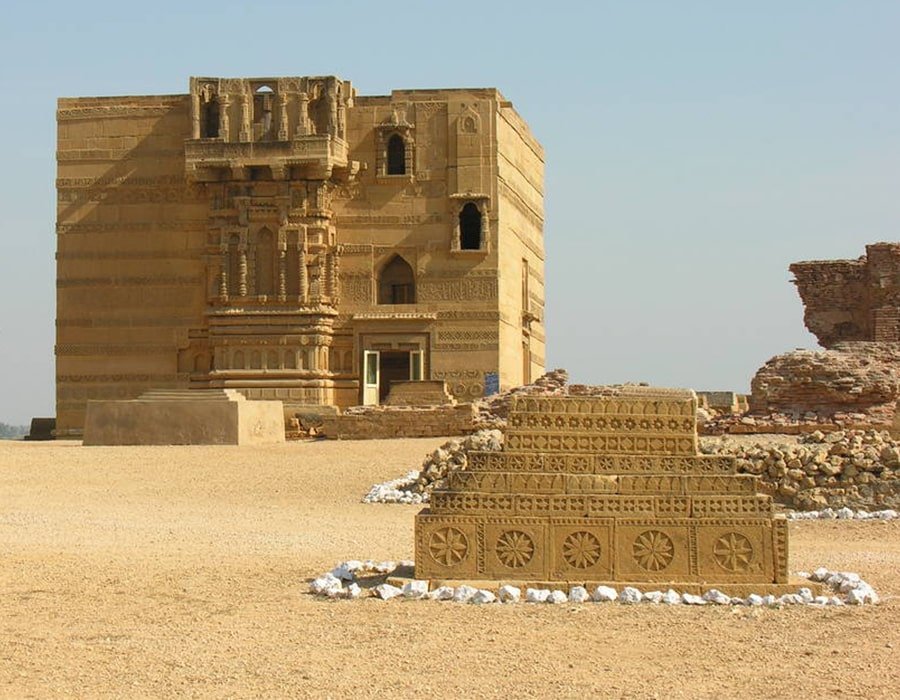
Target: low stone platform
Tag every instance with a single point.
(188, 417)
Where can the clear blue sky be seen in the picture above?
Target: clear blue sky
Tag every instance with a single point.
(694, 150)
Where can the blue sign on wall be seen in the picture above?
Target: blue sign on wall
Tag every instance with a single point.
(491, 383)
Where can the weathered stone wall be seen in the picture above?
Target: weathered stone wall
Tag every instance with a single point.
(377, 422)
(419, 393)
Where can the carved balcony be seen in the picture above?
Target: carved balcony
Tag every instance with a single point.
(313, 157)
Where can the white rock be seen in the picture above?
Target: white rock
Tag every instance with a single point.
(346, 570)
(407, 563)
(803, 574)
(834, 600)
(691, 599)
(844, 514)
(415, 589)
(770, 600)
(791, 599)
(442, 593)
(806, 595)
(604, 594)
(630, 595)
(463, 593)
(482, 596)
(717, 597)
(820, 574)
(353, 591)
(821, 600)
(557, 597)
(510, 594)
(536, 595)
(671, 597)
(385, 567)
(885, 514)
(738, 601)
(386, 591)
(754, 599)
(578, 594)
(653, 597)
(827, 514)
(862, 594)
(321, 585)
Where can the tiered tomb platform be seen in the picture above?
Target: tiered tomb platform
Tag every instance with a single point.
(604, 490)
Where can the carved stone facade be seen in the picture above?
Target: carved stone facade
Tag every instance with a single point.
(293, 240)
(603, 489)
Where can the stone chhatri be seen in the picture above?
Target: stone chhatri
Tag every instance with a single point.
(600, 489)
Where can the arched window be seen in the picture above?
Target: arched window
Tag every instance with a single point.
(396, 155)
(210, 121)
(397, 283)
(262, 113)
(265, 263)
(470, 228)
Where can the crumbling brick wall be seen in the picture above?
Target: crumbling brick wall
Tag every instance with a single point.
(852, 300)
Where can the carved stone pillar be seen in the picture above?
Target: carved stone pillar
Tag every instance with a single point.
(455, 238)
(223, 276)
(245, 118)
(282, 118)
(242, 271)
(485, 228)
(320, 286)
(329, 276)
(224, 123)
(336, 275)
(282, 275)
(301, 273)
(303, 121)
(195, 115)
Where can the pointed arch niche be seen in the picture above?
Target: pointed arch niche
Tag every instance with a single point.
(397, 282)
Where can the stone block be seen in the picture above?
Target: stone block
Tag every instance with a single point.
(191, 417)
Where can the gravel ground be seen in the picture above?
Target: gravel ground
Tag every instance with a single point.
(160, 571)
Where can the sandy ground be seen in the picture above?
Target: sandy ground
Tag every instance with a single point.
(157, 572)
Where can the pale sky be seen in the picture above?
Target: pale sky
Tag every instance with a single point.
(693, 150)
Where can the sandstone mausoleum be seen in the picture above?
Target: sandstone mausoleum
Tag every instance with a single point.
(293, 240)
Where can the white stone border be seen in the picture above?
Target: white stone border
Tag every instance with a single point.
(342, 582)
(841, 514)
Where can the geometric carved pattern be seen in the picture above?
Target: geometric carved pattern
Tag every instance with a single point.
(602, 488)
(653, 550)
(581, 550)
(515, 549)
(448, 546)
(733, 552)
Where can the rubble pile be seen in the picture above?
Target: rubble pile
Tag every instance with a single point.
(368, 579)
(493, 410)
(854, 469)
(417, 486)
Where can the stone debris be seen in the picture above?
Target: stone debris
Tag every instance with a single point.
(604, 594)
(343, 582)
(630, 595)
(578, 594)
(857, 470)
(510, 594)
(718, 598)
(557, 597)
(386, 591)
(482, 596)
(416, 486)
(415, 589)
(464, 594)
(842, 514)
(442, 593)
(536, 595)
